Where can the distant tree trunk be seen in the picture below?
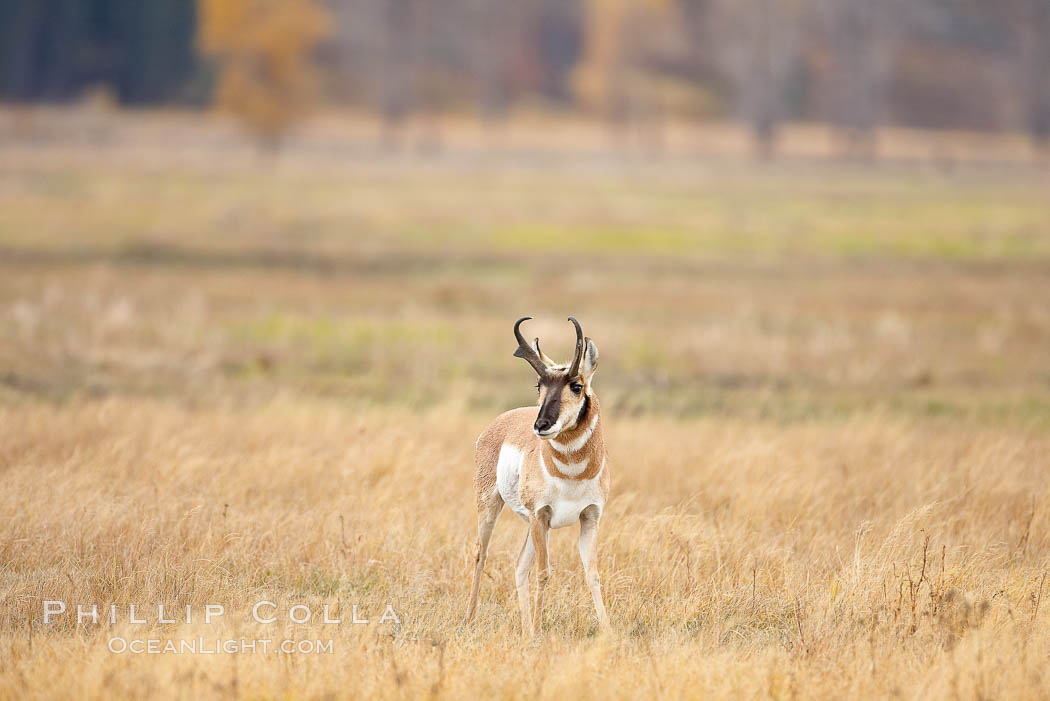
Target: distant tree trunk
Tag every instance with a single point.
(1034, 59)
(427, 71)
(492, 47)
(859, 51)
(764, 86)
(398, 87)
(757, 44)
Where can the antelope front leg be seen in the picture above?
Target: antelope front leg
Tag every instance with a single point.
(521, 583)
(539, 529)
(589, 557)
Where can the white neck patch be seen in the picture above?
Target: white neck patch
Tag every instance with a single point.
(571, 469)
(575, 445)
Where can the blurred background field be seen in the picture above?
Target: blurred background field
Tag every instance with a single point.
(173, 260)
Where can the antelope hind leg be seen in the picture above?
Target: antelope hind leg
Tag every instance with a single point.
(487, 515)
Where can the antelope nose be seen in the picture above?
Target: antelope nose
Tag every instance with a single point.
(543, 425)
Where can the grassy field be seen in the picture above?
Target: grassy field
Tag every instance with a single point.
(227, 379)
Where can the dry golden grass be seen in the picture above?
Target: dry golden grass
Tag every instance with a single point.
(739, 558)
(225, 381)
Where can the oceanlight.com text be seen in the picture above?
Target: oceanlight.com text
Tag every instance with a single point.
(217, 646)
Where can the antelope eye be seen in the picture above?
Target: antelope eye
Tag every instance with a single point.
(576, 387)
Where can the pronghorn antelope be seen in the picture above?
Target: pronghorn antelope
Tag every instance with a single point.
(549, 468)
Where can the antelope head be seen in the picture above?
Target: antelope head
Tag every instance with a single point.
(564, 391)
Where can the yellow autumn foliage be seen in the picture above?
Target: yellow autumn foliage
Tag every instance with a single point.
(609, 29)
(267, 77)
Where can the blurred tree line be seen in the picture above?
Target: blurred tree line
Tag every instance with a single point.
(143, 50)
(855, 63)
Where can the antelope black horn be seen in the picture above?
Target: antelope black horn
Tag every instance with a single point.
(575, 369)
(526, 352)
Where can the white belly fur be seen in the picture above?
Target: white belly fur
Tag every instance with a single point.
(567, 498)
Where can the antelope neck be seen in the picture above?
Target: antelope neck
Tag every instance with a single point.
(577, 454)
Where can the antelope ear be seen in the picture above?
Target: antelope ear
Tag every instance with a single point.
(543, 356)
(590, 359)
